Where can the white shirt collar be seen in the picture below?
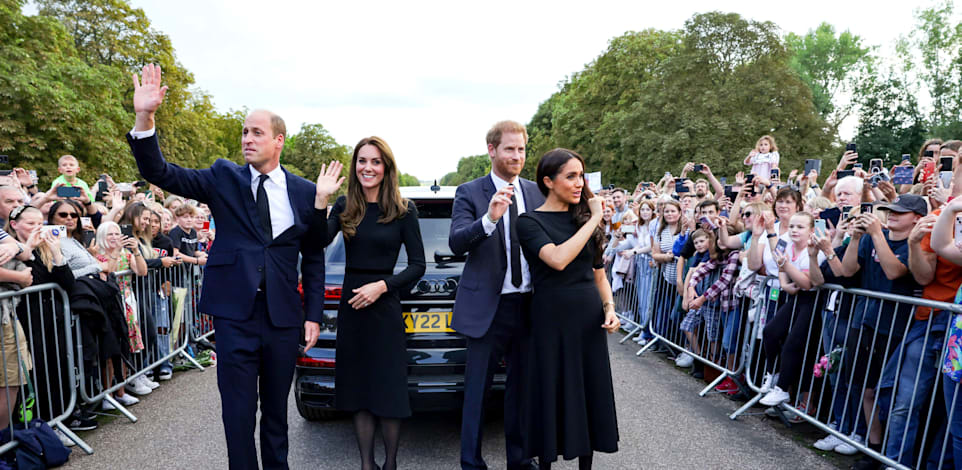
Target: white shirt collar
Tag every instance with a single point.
(500, 183)
(277, 176)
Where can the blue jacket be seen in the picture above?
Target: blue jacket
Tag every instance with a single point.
(242, 256)
(480, 288)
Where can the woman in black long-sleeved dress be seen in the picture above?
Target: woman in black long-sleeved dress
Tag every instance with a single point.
(569, 402)
(371, 362)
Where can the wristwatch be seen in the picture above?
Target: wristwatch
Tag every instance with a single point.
(830, 256)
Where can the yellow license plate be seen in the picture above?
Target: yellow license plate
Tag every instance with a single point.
(427, 322)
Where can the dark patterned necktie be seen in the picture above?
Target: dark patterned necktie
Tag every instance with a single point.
(515, 246)
(264, 208)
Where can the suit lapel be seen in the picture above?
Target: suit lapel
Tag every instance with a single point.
(489, 191)
(245, 174)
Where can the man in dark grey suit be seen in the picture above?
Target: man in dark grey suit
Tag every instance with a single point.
(494, 295)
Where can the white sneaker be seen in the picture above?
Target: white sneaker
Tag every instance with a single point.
(127, 400)
(64, 439)
(684, 360)
(846, 449)
(775, 397)
(138, 387)
(165, 375)
(641, 340)
(149, 383)
(829, 442)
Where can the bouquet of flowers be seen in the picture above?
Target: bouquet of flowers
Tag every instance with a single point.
(828, 362)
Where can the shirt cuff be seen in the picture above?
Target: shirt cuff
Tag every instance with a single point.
(137, 135)
(488, 225)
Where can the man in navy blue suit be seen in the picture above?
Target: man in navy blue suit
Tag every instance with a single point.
(265, 218)
(494, 294)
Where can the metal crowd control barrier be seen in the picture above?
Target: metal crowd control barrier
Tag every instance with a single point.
(35, 337)
(879, 370)
(165, 305)
(712, 334)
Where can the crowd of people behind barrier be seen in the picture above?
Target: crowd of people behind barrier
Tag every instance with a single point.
(112, 247)
(697, 260)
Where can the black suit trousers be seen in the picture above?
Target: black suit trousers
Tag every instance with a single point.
(254, 357)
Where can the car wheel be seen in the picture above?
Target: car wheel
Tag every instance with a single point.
(315, 414)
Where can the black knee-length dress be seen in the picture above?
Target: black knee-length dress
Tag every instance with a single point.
(371, 358)
(569, 400)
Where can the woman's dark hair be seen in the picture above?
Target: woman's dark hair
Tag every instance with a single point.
(78, 233)
(789, 192)
(549, 167)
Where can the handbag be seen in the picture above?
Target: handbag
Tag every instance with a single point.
(39, 447)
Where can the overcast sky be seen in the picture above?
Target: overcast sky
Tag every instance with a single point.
(431, 77)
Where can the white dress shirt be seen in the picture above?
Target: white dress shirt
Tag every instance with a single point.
(507, 287)
(282, 214)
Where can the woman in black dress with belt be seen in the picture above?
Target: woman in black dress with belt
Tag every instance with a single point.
(569, 406)
(371, 362)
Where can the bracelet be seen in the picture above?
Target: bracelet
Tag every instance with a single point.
(606, 304)
(772, 235)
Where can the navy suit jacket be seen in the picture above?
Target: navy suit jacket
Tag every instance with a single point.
(242, 256)
(483, 277)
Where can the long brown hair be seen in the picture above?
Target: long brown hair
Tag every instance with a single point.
(550, 166)
(389, 200)
(663, 224)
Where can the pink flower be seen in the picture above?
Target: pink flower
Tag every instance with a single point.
(818, 371)
(823, 361)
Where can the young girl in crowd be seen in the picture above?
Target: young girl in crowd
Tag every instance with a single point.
(787, 336)
(643, 269)
(764, 158)
(710, 292)
(662, 256)
(699, 311)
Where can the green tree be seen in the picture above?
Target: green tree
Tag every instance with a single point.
(469, 168)
(53, 103)
(890, 123)
(305, 151)
(582, 115)
(113, 34)
(655, 100)
(833, 65)
(933, 53)
(409, 180)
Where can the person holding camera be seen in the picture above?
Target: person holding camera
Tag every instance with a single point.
(44, 314)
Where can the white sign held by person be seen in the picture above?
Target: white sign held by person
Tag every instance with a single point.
(594, 181)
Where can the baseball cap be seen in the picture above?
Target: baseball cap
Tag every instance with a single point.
(907, 203)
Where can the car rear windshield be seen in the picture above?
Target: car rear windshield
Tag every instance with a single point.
(434, 216)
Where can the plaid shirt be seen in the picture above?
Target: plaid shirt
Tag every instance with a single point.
(721, 287)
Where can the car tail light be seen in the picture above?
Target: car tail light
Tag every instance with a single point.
(315, 362)
(332, 292)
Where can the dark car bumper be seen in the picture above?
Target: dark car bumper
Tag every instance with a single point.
(431, 393)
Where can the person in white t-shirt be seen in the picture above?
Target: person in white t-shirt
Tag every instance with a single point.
(764, 157)
(786, 336)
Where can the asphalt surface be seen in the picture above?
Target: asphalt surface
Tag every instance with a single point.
(662, 421)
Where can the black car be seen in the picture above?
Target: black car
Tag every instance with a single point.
(436, 353)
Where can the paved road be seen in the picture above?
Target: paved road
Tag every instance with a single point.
(663, 424)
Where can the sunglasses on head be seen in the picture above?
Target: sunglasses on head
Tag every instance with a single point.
(64, 215)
